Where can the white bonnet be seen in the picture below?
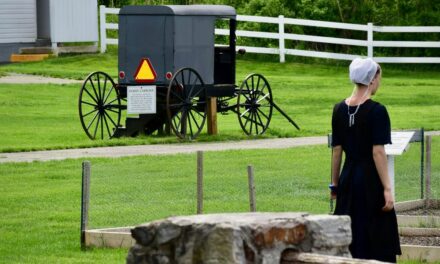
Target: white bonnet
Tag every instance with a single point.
(363, 70)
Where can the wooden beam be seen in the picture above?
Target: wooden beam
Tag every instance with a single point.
(212, 116)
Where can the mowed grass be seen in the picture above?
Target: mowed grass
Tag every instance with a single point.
(40, 201)
(45, 116)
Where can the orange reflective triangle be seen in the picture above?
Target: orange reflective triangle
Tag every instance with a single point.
(145, 72)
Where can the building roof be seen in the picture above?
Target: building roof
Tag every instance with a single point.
(180, 10)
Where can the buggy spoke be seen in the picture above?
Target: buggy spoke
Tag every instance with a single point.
(94, 90)
(112, 101)
(176, 105)
(258, 84)
(247, 120)
(108, 95)
(93, 119)
(111, 119)
(91, 96)
(189, 122)
(94, 110)
(252, 122)
(99, 87)
(112, 110)
(258, 109)
(102, 127)
(256, 123)
(195, 121)
(259, 121)
(97, 124)
(175, 94)
(87, 103)
(106, 125)
(105, 86)
(198, 92)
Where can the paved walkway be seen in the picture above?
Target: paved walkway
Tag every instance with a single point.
(166, 149)
(15, 78)
(124, 151)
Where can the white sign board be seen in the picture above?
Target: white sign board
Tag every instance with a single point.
(400, 143)
(141, 99)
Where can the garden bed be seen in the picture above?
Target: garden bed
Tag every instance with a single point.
(419, 228)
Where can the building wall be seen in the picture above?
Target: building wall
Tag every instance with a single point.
(18, 21)
(73, 21)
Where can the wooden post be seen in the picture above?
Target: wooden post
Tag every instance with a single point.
(85, 197)
(212, 116)
(428, 170)
(252, 204)
(199, 182)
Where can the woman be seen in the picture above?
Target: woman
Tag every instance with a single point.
(360, 129)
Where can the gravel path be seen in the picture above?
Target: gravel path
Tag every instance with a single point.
(15, 78)
(123, 151)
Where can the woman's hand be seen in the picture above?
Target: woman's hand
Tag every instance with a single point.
(389, 200)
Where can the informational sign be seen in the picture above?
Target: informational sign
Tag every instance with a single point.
(141, 99)
(400, 143)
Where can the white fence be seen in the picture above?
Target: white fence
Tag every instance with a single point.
(281, 36)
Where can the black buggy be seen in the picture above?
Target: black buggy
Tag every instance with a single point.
(172, 77)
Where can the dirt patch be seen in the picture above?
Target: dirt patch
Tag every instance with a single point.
(421, 212)
(420, 241)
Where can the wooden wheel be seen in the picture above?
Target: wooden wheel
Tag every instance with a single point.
(99, 106)
(186, 103)
(254, 104)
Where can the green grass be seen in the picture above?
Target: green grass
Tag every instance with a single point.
(40, 201)
(38, 117)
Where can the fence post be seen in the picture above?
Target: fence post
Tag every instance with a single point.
(85, 197)
(199, 182)
(281, 38)
(428, 169)
(252, 204)
(370, 40)
(103, 32)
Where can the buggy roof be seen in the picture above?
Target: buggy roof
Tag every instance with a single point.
(180, 10)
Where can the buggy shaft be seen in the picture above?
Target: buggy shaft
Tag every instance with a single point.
(284, 114)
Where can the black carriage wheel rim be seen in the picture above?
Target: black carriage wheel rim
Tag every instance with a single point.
(254, 109)
(185, 105)
(99, 106)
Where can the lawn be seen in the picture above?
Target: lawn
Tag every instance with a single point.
(46, 116)
(41, 200)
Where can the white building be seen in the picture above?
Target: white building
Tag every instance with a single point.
(31, 23)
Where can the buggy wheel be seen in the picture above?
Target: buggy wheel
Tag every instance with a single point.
(186, 103)
(99, 106)
(254, 104)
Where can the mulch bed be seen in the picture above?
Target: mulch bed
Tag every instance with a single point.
(420, 241)
(421, 212)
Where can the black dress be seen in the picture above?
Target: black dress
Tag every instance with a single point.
(360, 191)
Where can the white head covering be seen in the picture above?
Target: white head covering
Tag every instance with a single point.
(363, 70)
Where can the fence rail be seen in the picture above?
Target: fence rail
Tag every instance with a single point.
(281, 36)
